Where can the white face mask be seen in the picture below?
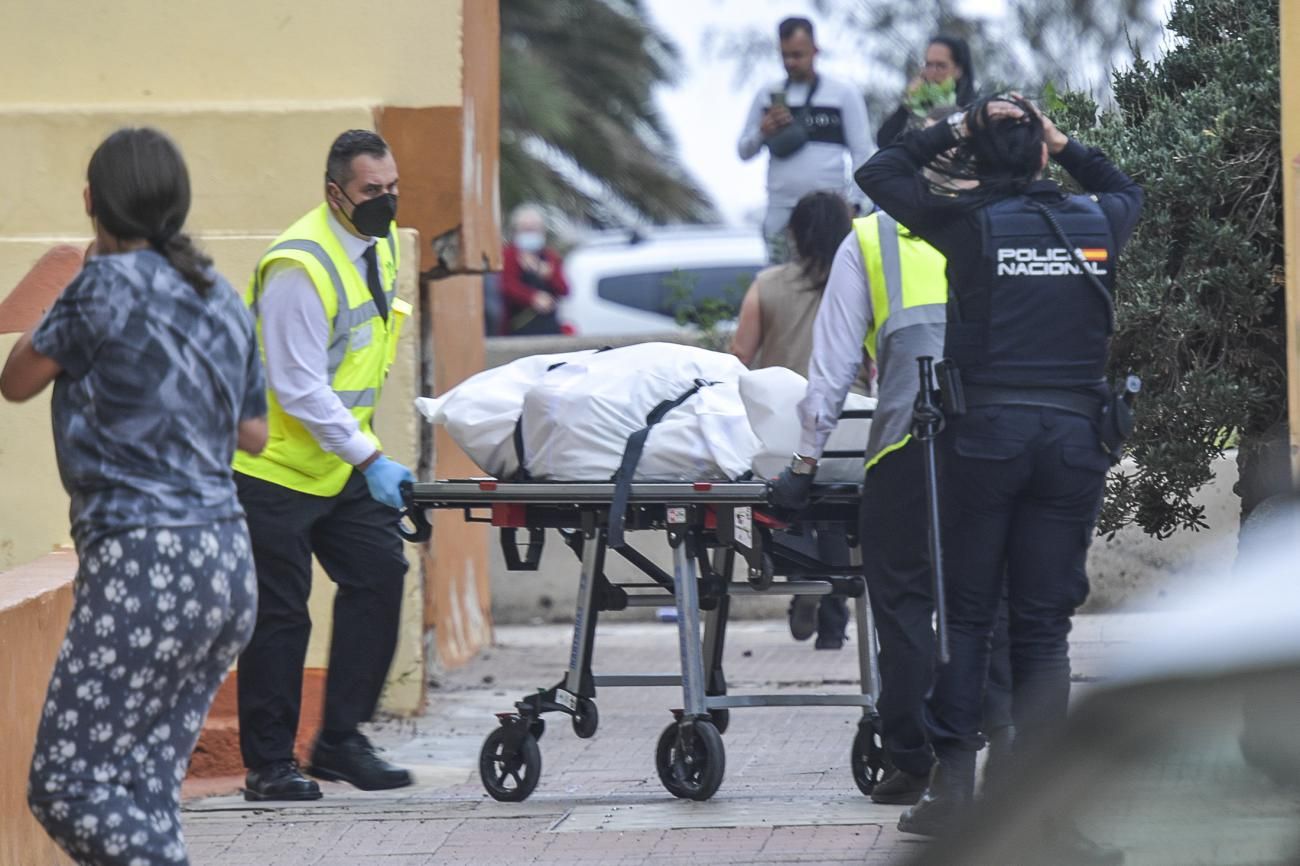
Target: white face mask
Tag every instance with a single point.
(530, 242)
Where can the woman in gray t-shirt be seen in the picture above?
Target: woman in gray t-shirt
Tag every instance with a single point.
(156, 381)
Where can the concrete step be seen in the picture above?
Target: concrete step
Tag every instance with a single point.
(235, 255)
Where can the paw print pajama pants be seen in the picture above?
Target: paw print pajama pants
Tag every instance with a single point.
(159, 617)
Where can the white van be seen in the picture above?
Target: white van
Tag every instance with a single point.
(633, 281)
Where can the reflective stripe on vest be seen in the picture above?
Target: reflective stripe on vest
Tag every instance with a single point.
(896, 303)
(359, 351)
(909, 288)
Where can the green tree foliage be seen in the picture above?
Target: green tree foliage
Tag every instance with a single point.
(579, 128)
(1200, 298)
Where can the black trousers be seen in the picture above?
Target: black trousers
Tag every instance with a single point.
(1022, 488)
(355, 538)
(896, 563)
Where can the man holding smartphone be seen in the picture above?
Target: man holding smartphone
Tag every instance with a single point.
(809, 124)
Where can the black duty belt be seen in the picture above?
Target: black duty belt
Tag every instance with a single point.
(1088, 405)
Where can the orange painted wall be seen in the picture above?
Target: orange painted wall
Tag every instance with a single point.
(35, 602)
(457, 591)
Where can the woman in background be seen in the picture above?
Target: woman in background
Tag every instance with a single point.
(156, 381)
(776, 330)
(948, 77)
(532, 279)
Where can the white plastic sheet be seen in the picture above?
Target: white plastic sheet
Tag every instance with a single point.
(577, 419)
(480, 413)
(770, 396)
(579, 408)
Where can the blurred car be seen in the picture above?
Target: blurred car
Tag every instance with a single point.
(1188, 754)
(634, 281)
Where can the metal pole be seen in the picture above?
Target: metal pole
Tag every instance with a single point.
(927, 421)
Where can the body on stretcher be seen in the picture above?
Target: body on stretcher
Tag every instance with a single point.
(709, 526)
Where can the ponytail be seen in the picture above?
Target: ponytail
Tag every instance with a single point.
(194, 267)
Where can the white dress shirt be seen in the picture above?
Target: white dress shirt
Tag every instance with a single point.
(817, 165)
(295, 333)
(839, 333)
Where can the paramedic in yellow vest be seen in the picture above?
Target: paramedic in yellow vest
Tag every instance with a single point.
(328, 321)
(887, 292)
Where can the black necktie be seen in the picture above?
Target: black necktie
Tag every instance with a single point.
(372, 279)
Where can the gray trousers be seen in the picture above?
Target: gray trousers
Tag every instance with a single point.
(774, 234)
(159, 616)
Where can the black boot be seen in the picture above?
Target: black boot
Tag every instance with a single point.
(899, 788)
(803, 616)
(832, 622)
(998, 757)
(952, 785)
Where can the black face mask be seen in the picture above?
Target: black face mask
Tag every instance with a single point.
(374, 215)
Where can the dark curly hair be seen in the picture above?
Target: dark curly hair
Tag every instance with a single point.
(818, 224)
(1005, 154)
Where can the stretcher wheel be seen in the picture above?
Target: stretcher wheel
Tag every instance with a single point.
(586, 719)
(761, 577)
(509, 775)
(721, 718)
(868, 759)
(690, 759)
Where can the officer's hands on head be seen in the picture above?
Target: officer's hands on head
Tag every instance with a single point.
(384, 477)
(790, 491)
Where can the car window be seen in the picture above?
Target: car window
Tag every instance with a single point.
(664, 292)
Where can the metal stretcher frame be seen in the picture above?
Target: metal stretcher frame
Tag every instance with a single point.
(709, 525)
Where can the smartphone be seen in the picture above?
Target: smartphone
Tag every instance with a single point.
(778, 99)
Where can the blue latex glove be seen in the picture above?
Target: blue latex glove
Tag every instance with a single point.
(384, 478)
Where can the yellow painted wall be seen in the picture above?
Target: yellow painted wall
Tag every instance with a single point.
(94, 52)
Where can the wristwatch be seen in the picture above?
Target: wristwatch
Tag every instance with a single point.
(801, 465)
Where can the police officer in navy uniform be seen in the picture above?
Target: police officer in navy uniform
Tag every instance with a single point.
(1024, 467)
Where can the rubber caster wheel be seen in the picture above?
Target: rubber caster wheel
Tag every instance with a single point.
(537, 727)
(509, 776)
(690, 759)
(761, 578)
(586, 719)
(721, 719)
(868, 759)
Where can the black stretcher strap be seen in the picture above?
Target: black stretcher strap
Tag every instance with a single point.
(632, 456)
(522, 474)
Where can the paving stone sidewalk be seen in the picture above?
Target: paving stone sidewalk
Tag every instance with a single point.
(788, 795)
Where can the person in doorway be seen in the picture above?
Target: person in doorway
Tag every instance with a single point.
(1025, 465)
(157, 380)
(811, 125)
(532, 277)
(947, 78)
(324, 295)
(775, 329)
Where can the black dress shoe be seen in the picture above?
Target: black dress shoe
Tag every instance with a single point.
(279, 780)
(899, 789)
(356, 762)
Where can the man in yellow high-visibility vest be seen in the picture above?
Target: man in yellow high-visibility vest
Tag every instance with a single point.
(328, 320)
(887, 293)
